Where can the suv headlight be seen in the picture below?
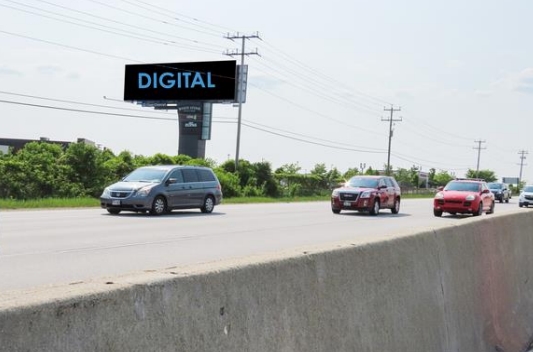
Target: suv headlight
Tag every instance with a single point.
(439, 195)
(365, 194)
(143, 192)
(470, 197)
(335, 193)
(106, 193)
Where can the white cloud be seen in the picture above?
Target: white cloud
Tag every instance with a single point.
(524, 81)
(49, 69)
(483, 93)
(10, 71)
(455, 64)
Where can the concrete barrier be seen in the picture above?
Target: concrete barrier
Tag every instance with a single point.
(465, 287)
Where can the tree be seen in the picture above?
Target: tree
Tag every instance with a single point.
(265, 179)
(442, 178)
(350, 173)
(487, 175)
(84, 169)
(43, 169)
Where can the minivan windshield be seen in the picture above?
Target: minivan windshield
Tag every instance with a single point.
(495, 185)
(363, 182)
(146, 175)
(528, 189)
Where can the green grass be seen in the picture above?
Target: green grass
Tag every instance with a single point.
(93, 202)
(49, 203)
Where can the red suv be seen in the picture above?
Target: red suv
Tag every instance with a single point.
(367, 193)
(464, 196)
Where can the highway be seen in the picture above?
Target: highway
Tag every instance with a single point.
(51, 247)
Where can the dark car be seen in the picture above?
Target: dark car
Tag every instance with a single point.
(160, 189)
(367, 193)
(464, 196)
(501, 191)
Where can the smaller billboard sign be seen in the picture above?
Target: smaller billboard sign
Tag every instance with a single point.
(190, 115)
(185, 81)
(510, 180)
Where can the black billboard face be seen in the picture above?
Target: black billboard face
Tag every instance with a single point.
(190, 118)
(203, 81)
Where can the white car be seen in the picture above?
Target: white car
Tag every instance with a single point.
(526, 196)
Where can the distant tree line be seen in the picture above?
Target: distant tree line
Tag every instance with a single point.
(46, 170)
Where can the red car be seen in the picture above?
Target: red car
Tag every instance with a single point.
(367, 193)
(464, 196)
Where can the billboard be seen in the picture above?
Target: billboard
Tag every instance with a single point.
(511, 180)
(190, 116)
(200, 81)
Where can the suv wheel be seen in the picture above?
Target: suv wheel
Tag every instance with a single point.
(159, 206)
(437, 212)
(113, 211)
(209, 205)
(375, 207)
(479, 210)
(396, 207)
(491, 210)
(335, 211)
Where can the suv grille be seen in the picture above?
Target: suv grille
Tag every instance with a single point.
(349, 196)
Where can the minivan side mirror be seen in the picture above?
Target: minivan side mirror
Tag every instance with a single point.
(170, 181)
(440, 188)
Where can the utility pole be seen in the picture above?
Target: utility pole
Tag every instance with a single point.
(362, 166)
(523, 154)
(241, 73)
(390, 120)
(478, 154)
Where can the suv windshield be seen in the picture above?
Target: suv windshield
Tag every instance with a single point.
(495, 185)
(363, 182)
(146, 175)
(528, 189)
(462, 186)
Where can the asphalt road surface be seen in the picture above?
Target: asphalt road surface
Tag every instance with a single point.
(48, 247)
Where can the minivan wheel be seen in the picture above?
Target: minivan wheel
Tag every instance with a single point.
(159, 206)
(437, 212)
(113, 211)
(209, 205)
(375, 207)
(335, 211)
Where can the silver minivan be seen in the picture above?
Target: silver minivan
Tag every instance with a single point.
(160, 189)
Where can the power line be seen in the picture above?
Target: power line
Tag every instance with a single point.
(110, 30)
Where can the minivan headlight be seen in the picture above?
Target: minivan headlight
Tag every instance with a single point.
(106, 193)
(470, 197)
(143, 192)
(335, 193)
(439, 195)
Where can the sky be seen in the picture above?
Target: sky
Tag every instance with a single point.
(458, 74)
